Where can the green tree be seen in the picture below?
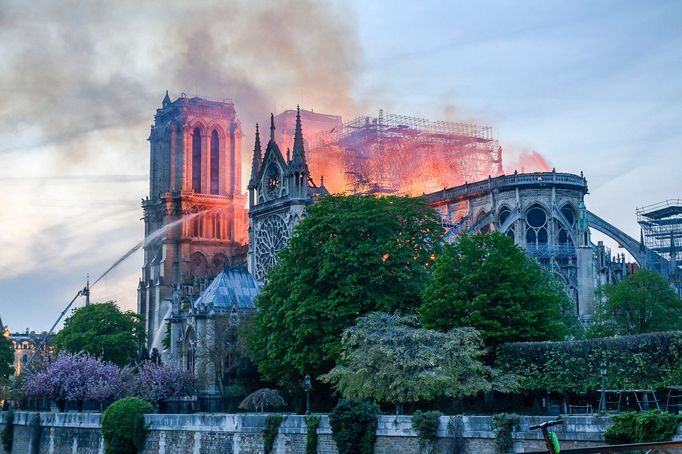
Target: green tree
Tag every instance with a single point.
(6, 358)
(103, 331)
(123, 428)
(485, 281)
(351, 255)
(643, 302)
(392, 359)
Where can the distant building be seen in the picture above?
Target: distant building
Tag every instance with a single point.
(25, 344)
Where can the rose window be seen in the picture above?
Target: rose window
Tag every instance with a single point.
(271, 236)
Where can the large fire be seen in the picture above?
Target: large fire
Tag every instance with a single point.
(393, 154)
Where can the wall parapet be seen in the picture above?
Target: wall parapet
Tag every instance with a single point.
(242, 433)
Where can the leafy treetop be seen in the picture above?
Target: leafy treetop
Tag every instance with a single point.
(642, 303)
(103, 331)
(6, 357)
(487, 282)
(351, 255)
(391, 359)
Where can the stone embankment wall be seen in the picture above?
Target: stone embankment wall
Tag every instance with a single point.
(62, 433)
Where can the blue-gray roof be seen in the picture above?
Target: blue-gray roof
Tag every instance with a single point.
(234, 286)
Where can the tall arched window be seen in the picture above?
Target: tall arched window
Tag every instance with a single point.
(564, 236)
(215, 162)
(196, 160)
(536, 226)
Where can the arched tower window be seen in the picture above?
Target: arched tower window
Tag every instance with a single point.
(215, 162)
(199, 264)
(486, 228)
(196, 160)
(569, 214)
(504, 215)
(536, 226)
(564, 236)
(189, 350)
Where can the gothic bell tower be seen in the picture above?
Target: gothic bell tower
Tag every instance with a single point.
(195, 215)
(280, 189)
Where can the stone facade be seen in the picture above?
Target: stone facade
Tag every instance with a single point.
(243, 434)
(279, 190)
(204, 323)
(545, 214)
(195, 214)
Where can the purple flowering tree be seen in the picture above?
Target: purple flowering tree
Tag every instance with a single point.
(75, 378)
(37, 385)
(82, 377)
(159, 382)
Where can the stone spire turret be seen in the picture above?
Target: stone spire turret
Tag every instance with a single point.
(257, 159)
(166, 100)
(272, 128)
(298, 163)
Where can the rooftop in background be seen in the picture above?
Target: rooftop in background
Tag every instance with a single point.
(538, 179)
(234, 287)
(184, 103)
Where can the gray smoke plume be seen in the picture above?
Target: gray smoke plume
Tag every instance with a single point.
(70, 68)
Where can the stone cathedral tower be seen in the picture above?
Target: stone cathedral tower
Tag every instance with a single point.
(279, 190)
(195, 214)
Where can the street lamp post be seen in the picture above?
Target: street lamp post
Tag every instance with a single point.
(602, 374)
(308, 386)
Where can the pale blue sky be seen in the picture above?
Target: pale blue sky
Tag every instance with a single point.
(592, 86)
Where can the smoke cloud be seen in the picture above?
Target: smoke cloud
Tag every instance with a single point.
(523, 160)
(70, 67)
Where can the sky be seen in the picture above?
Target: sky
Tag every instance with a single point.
(592, 86)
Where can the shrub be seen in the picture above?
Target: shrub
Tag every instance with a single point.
(354, 426)
(8, 432)
(123, 427)
(312, 422)
(270, 432)
(649, 426)
(426, 426)
(642, 361)
(504, 425)
(261, 399)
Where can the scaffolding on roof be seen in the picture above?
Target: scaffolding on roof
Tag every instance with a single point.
(407, 155)
(661, 225)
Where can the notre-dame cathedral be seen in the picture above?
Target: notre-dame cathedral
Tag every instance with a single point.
(204, 258)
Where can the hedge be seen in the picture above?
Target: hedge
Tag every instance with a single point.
(642, 361)
(354, 426)
(123, 426)
(632, 427)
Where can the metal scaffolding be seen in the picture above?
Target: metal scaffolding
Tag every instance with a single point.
(661, 226)
(409, 155)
